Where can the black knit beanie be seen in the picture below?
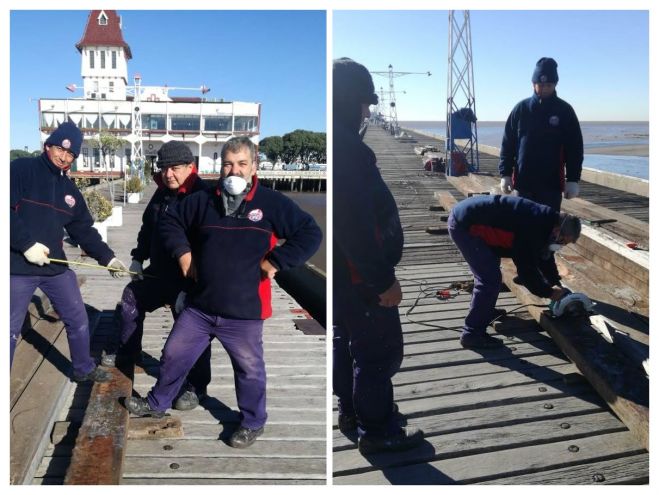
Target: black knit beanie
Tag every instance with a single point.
(67, 136)
(352, 82)
(174, 153)
(545, 71)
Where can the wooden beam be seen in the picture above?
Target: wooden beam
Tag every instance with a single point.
(101, 444)
(617, 380)
(154, 428)
(445, 199)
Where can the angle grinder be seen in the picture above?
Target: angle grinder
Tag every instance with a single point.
(572, 304)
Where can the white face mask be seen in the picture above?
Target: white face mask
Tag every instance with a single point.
(234, 184)
(555, 247)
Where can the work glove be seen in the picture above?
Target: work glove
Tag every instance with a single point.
(118, 269)
(181, 303)
(136, 266)
(38, 254)
(506, 184)
(571, 190)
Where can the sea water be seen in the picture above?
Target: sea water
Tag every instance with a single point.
(595, 135)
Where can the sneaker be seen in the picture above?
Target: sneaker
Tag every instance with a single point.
(479, 341)
(186, 401)
(244, 437)
(108, 359)
(408, 438)
(95, 375)
(140, 407)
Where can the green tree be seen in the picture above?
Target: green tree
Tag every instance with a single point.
(272, 147)
(13, 154)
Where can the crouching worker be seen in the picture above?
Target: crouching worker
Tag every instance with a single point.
(161, 283)
(43, 202)
(488, 228)
(226, 239)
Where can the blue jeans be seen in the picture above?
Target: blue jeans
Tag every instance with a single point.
(486, 268)
(64, 294)
(243, 341)
(368, 352)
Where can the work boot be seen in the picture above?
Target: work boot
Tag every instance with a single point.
(406, 439)
(186, 401)
(140, 407)
(348, 423)
(479, 341)
(95, 375)
(244, 437)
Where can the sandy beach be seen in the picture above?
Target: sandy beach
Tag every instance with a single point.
(625, 150)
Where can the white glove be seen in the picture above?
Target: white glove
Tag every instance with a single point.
(136, 266)
(506, 184)
(38, 254)
(571, 190)
(118, 268)
(181, 303)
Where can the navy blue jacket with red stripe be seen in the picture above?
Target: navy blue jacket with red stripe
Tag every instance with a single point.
(542, 145)
(368, 237)
(149, 246)
(516, 228)
(227, 249)
(43, 202)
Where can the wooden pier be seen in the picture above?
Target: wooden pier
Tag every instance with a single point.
(187, 447)
(523, 414)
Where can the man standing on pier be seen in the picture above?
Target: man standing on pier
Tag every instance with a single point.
(44, 202)
(226, 239)
(161, 283)
(488, 228)
(368, 244)
(542, 146)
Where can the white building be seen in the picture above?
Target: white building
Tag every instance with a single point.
(109, 104)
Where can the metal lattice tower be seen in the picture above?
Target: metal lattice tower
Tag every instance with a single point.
(393, 112)
(461, 100)
(137, 151)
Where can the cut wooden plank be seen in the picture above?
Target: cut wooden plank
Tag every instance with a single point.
(446, 200)
(100, 447)
(624, 387)
(155, 428)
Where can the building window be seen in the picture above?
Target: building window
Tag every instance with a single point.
(127, 155)
(221, 124)
(102, 59)
(245, 124)
(154, 122)
(185, 123)
(114, 59)
(91, 59)
(96, 160)
(102, 20)
(111, 86)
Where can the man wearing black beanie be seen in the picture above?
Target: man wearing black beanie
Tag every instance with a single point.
(368, 244)
(542, 146)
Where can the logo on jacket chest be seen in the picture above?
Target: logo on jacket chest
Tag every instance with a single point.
(554, 121)
(255, 215)
(70, 200)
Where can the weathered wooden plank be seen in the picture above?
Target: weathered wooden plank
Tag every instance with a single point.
(497, 465)
(154, 428)
(100, 447)
(624, 387)
(184, 447)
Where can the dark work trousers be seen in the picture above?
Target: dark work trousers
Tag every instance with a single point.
(544, 197)
(243, 341)
(64, 294)
(147, 295)
(486, 268)
(368, 351)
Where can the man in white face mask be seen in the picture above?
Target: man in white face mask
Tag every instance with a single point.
(226, 239)
(488, 228)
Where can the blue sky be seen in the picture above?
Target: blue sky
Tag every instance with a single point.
(277, 58)
(602, 56)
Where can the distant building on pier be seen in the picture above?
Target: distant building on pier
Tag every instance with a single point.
(110, 104)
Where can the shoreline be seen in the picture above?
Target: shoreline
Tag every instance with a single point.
(642, 150)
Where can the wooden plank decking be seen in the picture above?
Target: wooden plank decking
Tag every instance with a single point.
(518, 415)
(293, 448)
